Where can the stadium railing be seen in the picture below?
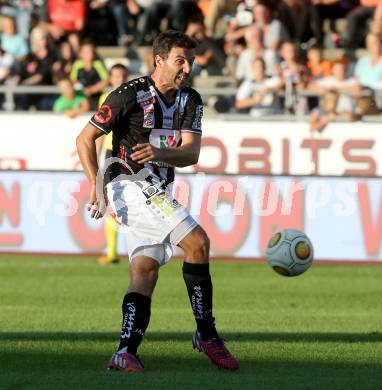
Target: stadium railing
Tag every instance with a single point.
(9, 92)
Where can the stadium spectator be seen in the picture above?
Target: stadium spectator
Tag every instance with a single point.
(12, 42)
(375, 26)
(236, 26)
(35, 69)
(294, 15)
(217, 10)
(65, 59)
(22, 11)
(295, 78)
(89, 74)
(325, 113)
(67, 16)
(328, 111)
(118, 75)
(209, 56)
(357, 22)
(175, 13)
(153, 13)
(64, 19)
(274, 32)
(318, 66)
(6, 63)
(348, 88)
(368, 70)
(233, 51)
(182, 12)
(255, 49)
(328, 9)
(258, 94)
(71, 103)
(39, 38)
(122, 12)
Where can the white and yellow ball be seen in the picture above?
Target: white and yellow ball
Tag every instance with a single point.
(290, 252)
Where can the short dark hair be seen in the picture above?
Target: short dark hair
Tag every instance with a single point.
(165, 41)
(120, 67)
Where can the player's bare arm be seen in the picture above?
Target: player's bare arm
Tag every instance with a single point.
(86, 148)
(182, 156)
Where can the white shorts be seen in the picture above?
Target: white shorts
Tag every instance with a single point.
(151, 218)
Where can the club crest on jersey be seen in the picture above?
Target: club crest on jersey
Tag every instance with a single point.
(104, 114)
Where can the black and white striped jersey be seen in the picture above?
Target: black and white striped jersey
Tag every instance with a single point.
(137, 112)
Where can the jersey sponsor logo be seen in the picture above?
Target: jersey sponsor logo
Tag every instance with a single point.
(145, 97)
(104, 114)
(167, 141)
(148, 123)
(150, 191)
(148, 115)
(148, 102)
(197, 123)
(164, 138)
(166, 205)
(128, 321)
(197, 302)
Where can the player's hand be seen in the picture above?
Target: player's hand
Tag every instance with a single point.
(95, 207)
(144, 152)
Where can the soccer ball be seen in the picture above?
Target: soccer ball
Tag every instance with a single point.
(290, 252)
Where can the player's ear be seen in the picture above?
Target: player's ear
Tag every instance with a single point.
(158, 60)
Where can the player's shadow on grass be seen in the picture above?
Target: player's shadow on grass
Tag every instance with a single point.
(78, 360)
(186, 336)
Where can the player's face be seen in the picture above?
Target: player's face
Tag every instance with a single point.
(176, 68)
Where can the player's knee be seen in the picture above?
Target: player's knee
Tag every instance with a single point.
(198, 247)
(145, 269)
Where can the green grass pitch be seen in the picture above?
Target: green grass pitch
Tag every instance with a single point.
(60, 322)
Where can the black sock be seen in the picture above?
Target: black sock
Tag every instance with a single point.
(199, 287)
(135, 319)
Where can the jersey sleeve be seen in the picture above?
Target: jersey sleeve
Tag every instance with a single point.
(192, 122)
(115, 107)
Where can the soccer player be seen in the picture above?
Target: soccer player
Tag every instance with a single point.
(118, 76)
(156, 124)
